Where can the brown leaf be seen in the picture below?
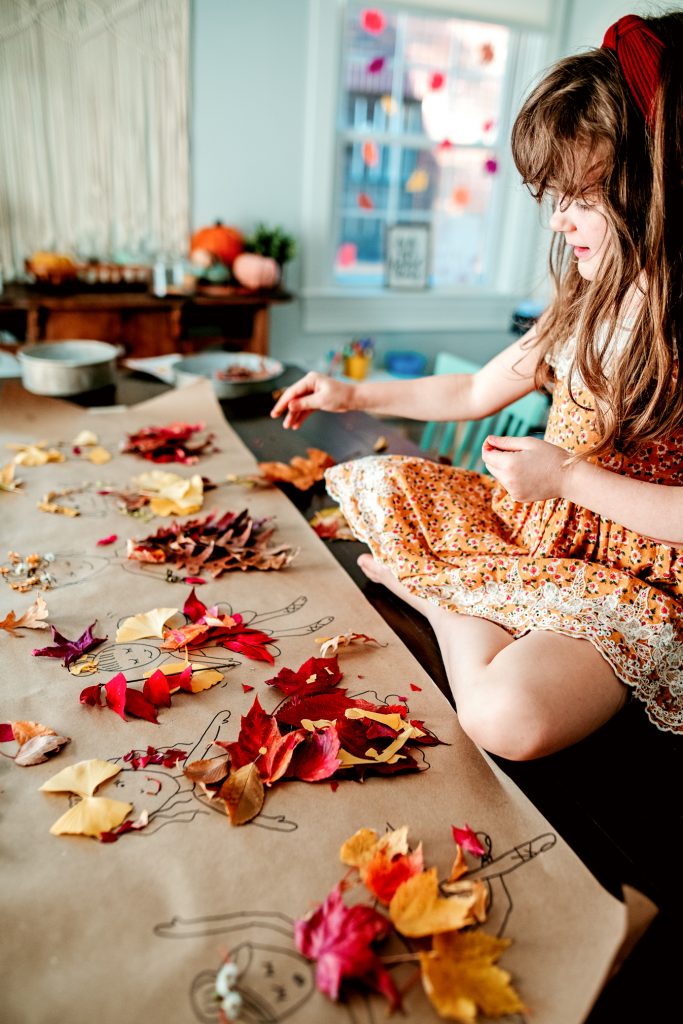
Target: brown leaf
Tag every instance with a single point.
(35, 750)
(301, 472)
(243, 793)
(209, 770)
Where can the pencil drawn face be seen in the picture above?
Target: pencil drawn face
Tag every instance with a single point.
(583, 223)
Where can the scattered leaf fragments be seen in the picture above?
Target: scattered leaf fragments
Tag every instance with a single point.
(70, 650)
(459, 972)
(302, 472)
(33, 618)
(176, 442)
(36, 454)
(215, 545)
(24, 573)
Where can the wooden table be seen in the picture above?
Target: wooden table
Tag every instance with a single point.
(615, 797)
(143, 323)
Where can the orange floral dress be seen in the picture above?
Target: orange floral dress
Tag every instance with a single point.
(458, 539)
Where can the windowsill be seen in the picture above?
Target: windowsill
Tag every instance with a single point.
(361, 310)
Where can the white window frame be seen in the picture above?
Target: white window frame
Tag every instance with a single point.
(329, 307)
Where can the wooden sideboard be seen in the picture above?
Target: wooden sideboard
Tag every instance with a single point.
(143, 324)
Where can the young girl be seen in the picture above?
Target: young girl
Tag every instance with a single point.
(555, 585)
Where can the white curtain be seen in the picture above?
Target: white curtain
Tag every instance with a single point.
(94, 152)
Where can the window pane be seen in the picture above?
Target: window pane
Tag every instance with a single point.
(419, 121)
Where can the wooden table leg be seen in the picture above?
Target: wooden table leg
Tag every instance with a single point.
(260, 332)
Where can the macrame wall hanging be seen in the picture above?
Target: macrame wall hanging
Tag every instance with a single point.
(94, 126)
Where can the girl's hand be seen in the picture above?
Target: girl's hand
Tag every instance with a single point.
(314, 391)
(529, 469)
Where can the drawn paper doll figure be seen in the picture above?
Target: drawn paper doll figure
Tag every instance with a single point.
(274, 980)
(496, 872)
(171, 798)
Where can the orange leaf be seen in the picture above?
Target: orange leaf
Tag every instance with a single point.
(24, 731)
(460, 977)
(33, 618)
(301, 472)
(243, 793)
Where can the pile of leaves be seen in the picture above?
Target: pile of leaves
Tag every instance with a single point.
(316, 733)
(233, 541)
(208, 627)
(302, 472)
(176, 442)
(161, 493)
(159, 685)
(438, 924)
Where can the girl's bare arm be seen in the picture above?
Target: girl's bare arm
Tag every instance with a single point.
(508, 376)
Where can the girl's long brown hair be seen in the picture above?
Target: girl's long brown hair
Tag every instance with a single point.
(579, 132)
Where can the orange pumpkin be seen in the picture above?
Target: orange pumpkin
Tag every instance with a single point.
(254, 271)
(224, 243)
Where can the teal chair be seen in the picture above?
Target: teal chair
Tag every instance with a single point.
(461, 443)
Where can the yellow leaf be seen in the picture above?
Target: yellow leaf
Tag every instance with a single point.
(460, 977)
(84, 666)
(85, 439)
(146, 624)
(91, 816)
(204, 679)
(417, 909)
(393, 720)
(364, 844)
(170, 493)
(7, 481)
(98, 455)
(243, 794)
(35, 454)
(82, 778)
(56, 509)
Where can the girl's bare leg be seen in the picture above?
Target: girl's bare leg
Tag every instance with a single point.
(522, 698)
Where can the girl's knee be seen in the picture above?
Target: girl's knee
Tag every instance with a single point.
(507, 729)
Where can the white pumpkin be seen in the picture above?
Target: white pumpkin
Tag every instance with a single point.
(254, 271)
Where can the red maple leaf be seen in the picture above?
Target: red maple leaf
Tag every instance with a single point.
(70, 650)
(194, 608)
(157, 691)
(339, 939)
(316, 758)
(467, 838)
(329, 706)
(261, 742)
(317, 675)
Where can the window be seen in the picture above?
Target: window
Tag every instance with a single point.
(422, 104)
(408, 122)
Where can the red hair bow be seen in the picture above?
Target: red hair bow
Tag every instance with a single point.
(639, 52)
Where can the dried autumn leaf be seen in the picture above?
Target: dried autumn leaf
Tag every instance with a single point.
(243, 794)
(33, 618)
(55, 509)
(261, 742)
(466, 838)
(85, 439)
(302, 472)
(384, 874)
(145, 624)
(24, 731)
(35, 750)
(339, 939)
(91, 816)
(176, 442)
(316, 757)
(70, 650)
(170, 494)
(332, 644)
(37, 454)
(157, 690)
(82, 778)
(460, 977)
(417, 909)
(7, 481)
(316, 675)
(330, 524)
(98, 456)
(208, 770)
(126, 826)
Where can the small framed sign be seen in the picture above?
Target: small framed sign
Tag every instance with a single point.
(408, 256)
